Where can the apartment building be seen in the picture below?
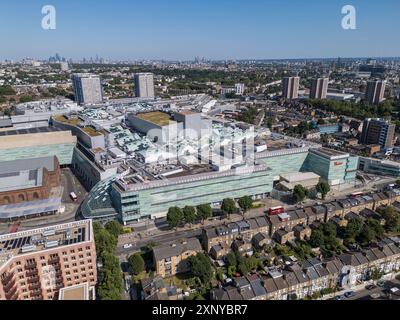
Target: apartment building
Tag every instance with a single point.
(172, 258)
(36, 264)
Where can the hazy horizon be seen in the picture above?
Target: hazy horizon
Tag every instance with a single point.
(178, 30)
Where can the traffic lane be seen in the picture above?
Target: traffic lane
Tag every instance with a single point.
(138, 244)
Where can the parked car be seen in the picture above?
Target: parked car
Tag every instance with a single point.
(128, 246)
(349, 294)
(371, 287)
(340, 298)
(381, 283)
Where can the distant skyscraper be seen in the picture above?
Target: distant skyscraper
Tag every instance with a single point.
(290, 87)
(87, 88)
(378, 131)
(144, 85)
(375, 91)
(319, 88)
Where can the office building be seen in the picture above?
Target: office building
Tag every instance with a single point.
(290, 87)
(37, 264)
(319, 88)
(87, 88)
(144, 85)
(375, 91)
(378, 131)
(37, 143)
(334, 167)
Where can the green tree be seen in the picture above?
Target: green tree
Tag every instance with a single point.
(110, 283)
(105, 241)
(230, 259)
(228, 206)
(299, 193)
(204, 211)
(200, 267)
(174, 217)
(392, 219)
(366, 235)
(247, 265)
(317, 238)
(376, 226)
(353, 229)
(245, 203)
(189, 214)
(231, 271)
(136, 263)
(323, 188)
(114, 228)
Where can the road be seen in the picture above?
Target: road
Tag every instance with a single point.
(138, 243)
(158, 231)
(365, 294)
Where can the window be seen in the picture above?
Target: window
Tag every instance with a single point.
(88, 254)
(42, 258)
(76, 277)
(65, 259)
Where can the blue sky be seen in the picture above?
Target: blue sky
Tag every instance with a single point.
(215, 29)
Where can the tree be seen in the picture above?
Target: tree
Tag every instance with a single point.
(392, 219)
(376, 226)
(189, 214)
(228, 206)
(110, 284)
(114, 228)
(353, 229)
(323, 188)
(317, 238)
(299, 193)
(245, 203)
(204, 211)
(136, 263)
(230, 259)
(247, 265)
(105, 241)
(174, 217)
(366, 235)
(200, 266)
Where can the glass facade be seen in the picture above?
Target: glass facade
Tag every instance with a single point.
(64, 153)
(145, 203)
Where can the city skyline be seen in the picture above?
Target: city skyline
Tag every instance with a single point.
(226, 30)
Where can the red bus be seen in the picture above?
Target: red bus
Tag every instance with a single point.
(276, 210)
(356, 194)
(73, 196)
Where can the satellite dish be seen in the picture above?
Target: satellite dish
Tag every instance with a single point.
(348, 277)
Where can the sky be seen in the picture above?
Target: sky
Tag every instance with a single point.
(214, 29)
